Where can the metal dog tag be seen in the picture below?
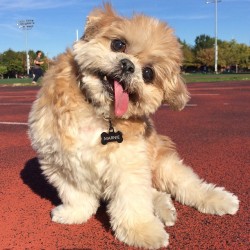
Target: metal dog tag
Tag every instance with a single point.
(111, 136)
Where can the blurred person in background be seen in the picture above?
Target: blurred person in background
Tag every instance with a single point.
(37, 69)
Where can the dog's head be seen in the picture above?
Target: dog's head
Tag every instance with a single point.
(129, 67)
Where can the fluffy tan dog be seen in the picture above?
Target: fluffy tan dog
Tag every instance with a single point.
(91, 129)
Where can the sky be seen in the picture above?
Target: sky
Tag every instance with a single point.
(56, 21)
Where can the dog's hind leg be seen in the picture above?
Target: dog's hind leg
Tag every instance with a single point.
(170, 174)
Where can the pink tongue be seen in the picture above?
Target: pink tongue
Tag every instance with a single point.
(121, 99)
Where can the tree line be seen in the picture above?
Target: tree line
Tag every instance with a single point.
(232, 57)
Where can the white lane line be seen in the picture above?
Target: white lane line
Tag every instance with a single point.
(204, 94)
(219, 88)
(14, 123)
(24, 96)
(187, 105)
(15, 104)
(191, 105)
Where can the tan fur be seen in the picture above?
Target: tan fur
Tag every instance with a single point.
(71, 112)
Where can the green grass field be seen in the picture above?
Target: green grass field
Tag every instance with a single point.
(215, 78)
(188, 77)
(16, 81)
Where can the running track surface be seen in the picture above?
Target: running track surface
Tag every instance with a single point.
(212, 135)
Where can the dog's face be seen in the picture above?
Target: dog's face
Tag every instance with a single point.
(129, 67)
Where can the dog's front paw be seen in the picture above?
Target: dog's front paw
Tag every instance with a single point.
(69, 215)
(220, 202)
(168, 215)
(149, 235)
(164, 209)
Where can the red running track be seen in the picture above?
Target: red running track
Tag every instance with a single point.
(212, 135)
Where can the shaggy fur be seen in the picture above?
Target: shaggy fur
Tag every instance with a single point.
(136, 177)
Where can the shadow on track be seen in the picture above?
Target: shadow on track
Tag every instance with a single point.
(32, 176)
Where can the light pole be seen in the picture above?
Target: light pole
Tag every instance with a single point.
(77, 37)
(216, 34)
(26, 25)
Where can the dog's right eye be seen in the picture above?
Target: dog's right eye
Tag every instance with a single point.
(118, 45)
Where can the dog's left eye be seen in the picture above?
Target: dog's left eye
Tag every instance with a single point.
(148, 74)
(118, 45)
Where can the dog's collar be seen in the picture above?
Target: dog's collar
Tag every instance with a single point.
(79, 76)
(106, 137)
(80, 83)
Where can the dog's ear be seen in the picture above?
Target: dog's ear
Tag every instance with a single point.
(176, 94)
(97, 19)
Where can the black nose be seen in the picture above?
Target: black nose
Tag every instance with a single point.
(127, 66)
